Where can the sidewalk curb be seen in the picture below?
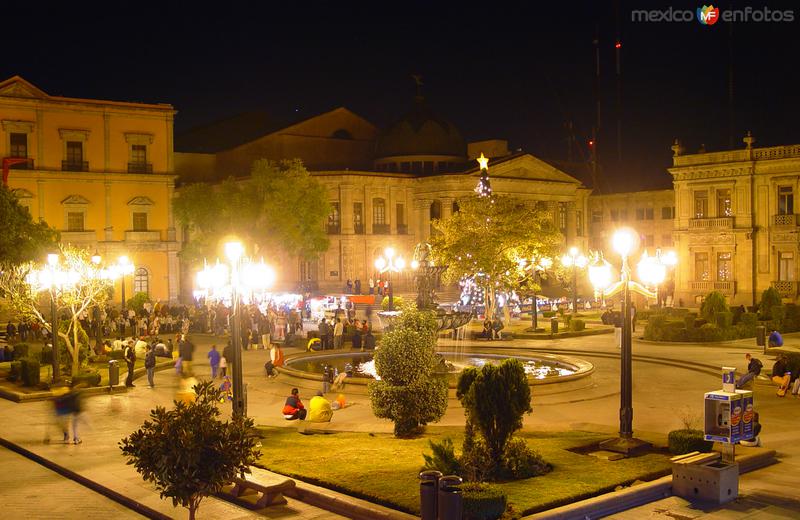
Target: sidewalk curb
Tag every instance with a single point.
(131, 504)
(635, 496)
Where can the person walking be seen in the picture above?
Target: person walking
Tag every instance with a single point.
(130, 359)
(338, 334)
(150, 364)
(214, 360)
(227, 354)
(186, 351)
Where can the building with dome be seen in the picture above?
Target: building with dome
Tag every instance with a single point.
(385, 186)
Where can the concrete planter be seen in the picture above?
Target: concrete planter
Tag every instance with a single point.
(714, 482)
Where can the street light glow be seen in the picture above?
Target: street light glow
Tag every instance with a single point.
(380, 263)
(623, 242)
(234, 250)
(52, 259)
(600, 274)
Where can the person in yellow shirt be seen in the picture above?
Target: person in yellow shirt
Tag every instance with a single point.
(319, 409)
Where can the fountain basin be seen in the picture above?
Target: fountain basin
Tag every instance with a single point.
(548, 373)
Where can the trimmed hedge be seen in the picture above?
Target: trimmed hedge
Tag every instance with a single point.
(15, 371)
(687, 441)
(577, 325)
(90, 378)
(29, 370)
(46, 356)
(483, 501)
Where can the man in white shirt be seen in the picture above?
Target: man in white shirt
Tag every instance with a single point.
(338, 334)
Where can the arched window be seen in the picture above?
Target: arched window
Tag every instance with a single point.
(141, 281)
(342, 134)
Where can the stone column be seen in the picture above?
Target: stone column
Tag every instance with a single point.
(422, 207)
(571, 223)
(171, 235)
(107, 142)
(173, 276)
(109, 225)
(40, 197)
(447, 207)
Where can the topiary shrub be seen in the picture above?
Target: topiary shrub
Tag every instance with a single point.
(769, 299)
(29, 371)
(15, 371)
(495, 398)
(21, 350)
(482, 501)
(577, 325)
(749, 319)
(778, 313)
(707, 332)
(88, 378)
(713, 304)
(690, 320)
(686, 441)
(442, 458)
(548, 314)
(520, 461)
(654, 330)
(408, 392)
(137, 301)
(675, 331)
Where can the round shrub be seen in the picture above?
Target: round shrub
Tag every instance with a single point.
(398, 302)
(548, 314)
(29, 370)
(687, 441)
(713, 304)
(483, 501)
(769, 298)
(724, 319)
(749, 319)
(520, 461)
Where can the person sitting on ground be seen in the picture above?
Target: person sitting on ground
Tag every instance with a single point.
(754, 367)
(775, 339)
(781, 375)
(487, 328)
(314, 344)
(294, 409)
(319, 409)
(275, 360)
(755, 440)
(497, 326)
(339, 402)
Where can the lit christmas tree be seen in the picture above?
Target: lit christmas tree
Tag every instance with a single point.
(484, 189)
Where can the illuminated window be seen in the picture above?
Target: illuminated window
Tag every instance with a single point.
(19, 145)
(141, 281)
(358, 218)
(379, 212)
(785, 200)
(724, 207)
(701, 204)
(562, 217)
(724, 267)
(786, 266)
(701, 267)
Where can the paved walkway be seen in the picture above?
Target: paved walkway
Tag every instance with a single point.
(663, 393)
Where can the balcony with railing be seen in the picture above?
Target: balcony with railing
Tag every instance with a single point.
(402, 229)
(358, 229)
(784, 220)
(333, 229)
(136, 167)
(707, 285)
(380, 229)
(19, 163)
(787, 289)
(711, 223)
(75, 166)
(78, 237)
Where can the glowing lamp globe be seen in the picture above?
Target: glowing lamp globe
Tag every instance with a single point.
(623, 242)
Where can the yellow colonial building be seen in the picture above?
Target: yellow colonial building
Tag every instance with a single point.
(101, 172)
(385, 186)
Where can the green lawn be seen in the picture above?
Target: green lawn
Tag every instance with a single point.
(383, 469)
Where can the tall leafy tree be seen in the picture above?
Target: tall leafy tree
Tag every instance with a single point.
(21, 239)
(279, 207)
(493, 240)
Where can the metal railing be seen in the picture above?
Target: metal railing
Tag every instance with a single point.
(785, 288)
(24, 164)
(333, 229)
(75, 166)
(706, 285)
(140, 167)
(380, 229)
(784, 220)
(358, 229)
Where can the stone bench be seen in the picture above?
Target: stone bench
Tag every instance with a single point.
(253, 495)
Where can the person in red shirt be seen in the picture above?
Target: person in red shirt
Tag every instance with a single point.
(294, 409)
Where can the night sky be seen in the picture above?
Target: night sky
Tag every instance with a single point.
(519, 71)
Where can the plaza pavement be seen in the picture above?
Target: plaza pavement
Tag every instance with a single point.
(669, 382)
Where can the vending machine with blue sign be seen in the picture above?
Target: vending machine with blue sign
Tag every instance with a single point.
(729, 414)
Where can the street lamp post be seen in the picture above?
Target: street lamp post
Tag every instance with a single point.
(123, 267)
(243, 278)
(651, 272)
(538, 267)
(575, 260)
(389, 263)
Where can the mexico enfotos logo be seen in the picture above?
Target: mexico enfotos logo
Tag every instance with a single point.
(709, 15)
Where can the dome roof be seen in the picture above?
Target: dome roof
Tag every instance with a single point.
(420, 132)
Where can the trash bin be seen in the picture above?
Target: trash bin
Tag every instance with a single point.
(113, 372)
(761, 336)
(450, 501)
(554, 325)
(428, 487)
